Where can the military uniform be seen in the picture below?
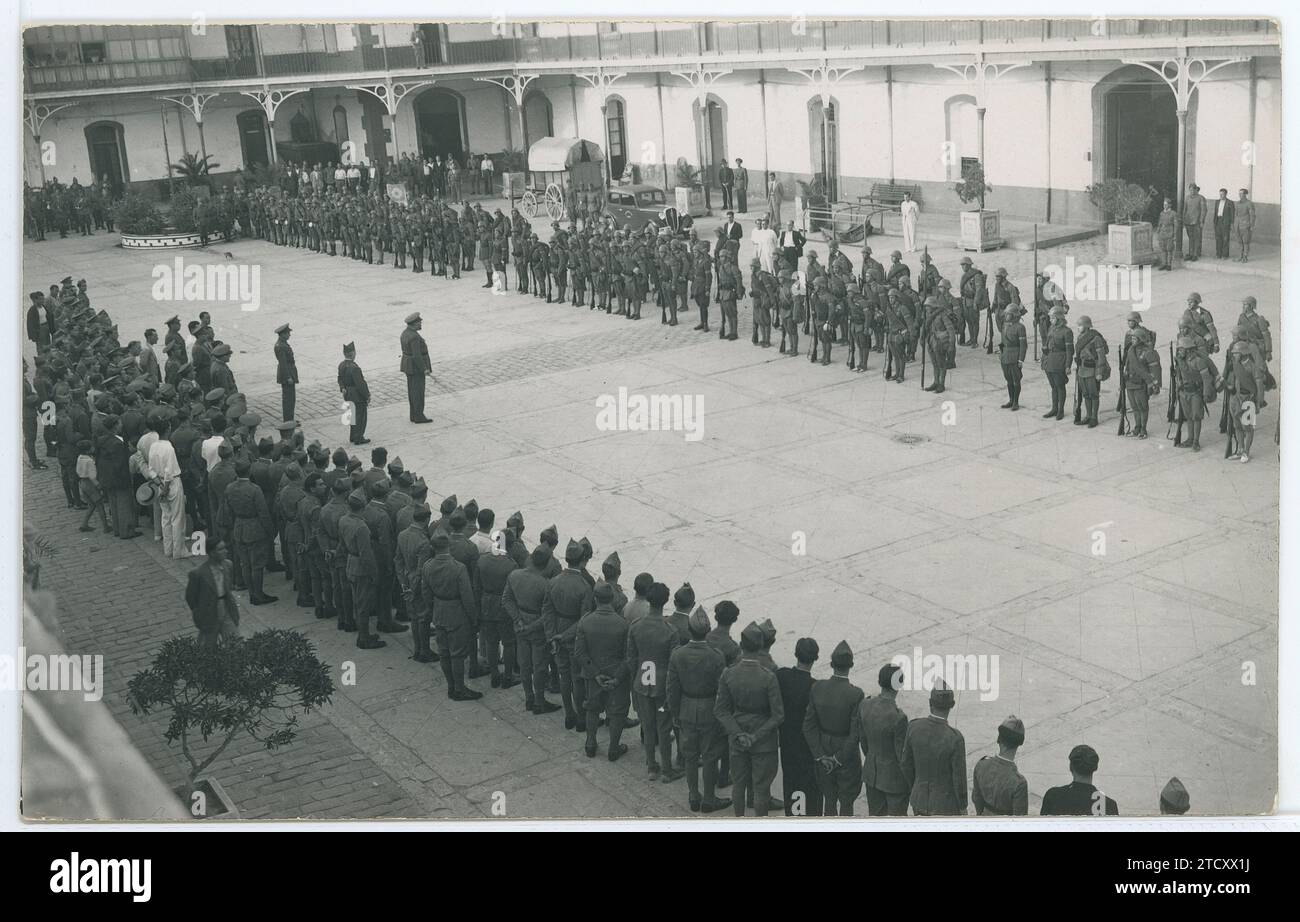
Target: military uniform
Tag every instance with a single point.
(1012, 350)
(998, 788)
(1058, 355)
(880, 728)
(568, 598)
(934, 765)
(650, 642)
(415, 365)
(495, 623)
(600, 641)
(522, 600)
(694, 670)
(251, 529)
(445, 583)
(361, 569)
(286, 373)
(352, 385)
(827, 726)
(749, 705)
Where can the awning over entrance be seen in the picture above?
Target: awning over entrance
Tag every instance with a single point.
(559, 154)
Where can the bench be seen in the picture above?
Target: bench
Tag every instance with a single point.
(884, 193)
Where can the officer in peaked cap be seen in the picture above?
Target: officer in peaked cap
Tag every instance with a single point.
(934, 759)
(286, 371)
(828, 730)
(997, 787)
(416, 366)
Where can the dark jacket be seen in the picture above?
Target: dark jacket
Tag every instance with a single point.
(201, 595)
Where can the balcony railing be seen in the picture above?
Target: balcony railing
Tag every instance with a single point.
(775, 37)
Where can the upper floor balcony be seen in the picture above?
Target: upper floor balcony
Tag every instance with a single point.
(69, 58)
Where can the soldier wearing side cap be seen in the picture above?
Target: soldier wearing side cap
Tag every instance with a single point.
(355, 391)
(379, 519)
(523, 600)
(251, 526)
(750, 710)
(361, 567)
(1174, 799)
(1080, 797)
(997, 787)
(415, 365)
(568, 598)
(310, 557)
(413, 552)
(445, 582)
(599, 645)
(335, 554)
(610, 570)
(934, 759)
(828, 729)
(496, 625)
(880, 727)
(801, 791)
(463, 550)
(650, 642)
(694, 670)
(286, 371)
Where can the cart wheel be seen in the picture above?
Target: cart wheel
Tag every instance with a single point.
(529, 203)
(555, 202)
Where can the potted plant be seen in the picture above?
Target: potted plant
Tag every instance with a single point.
(136, 214)
(810, 195)
(1129, 240)
(981, 228)
(195, 172)
(689, 190)
(255, 686)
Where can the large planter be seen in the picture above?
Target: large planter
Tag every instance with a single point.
(981, 230)
(171, 240)
(690, 201)
(1130, 244)
(215, 804)
(512, 185)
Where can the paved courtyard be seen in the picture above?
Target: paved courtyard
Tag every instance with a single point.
(934, 523)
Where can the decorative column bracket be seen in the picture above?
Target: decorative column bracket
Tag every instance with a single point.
(194, 102)
(824, 78)
(37, 114)
(514, 84)
(270, 100)
(601, 80)
(391, 94)
(1183, 74)
(979, 73)
(701, 80)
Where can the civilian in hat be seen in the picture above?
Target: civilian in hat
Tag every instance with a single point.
(568, 598)
(1174, 799)
(600, 642)
(415, 365)
(934, 759)
(828, 729)
(881, 730)
(694, 669)
(997, 787)
(356, 395)
(1080, 797)
(523, 600)
(445, 582)
(798, 769)
(750, 710)
(650, 642)
(286, 371)
(496, 628)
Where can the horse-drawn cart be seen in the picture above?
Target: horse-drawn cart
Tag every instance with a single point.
(559, 169)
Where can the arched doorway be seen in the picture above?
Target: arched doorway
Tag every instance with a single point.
(710, 135)
(824, 144)
(962, 136)
(1135, 132)
(341, 136)
(440, 123)
(107, 146)
(253, 138)
(616, 135)
(539, 118)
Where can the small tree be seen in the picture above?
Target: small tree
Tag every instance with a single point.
(1121, 201)
(972, 187)
(255, 685)
(686, 175)
(195, 169)
(136, 214)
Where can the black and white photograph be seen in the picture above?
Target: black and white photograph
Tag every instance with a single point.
(864, 416)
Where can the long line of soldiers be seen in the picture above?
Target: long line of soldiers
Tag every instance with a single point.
(73, 208)
(361, 546)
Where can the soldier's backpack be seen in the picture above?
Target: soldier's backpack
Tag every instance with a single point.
(1212, 391)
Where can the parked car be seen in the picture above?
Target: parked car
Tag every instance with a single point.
(636, 205)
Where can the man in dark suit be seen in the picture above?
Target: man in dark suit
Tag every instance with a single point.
(209, 592)
(286, 371)
(792, 243)
(726, 179)
(113, 463)
(1224, 211)
(40, 322)
(732, 229)
(798, 770)
(1080, 797)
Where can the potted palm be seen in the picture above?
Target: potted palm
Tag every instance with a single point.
(195, 172)
(255, 686)
(689, 190)
(981, 228)
(1129, 240)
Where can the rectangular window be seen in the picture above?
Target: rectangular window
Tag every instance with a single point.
(968, 164)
